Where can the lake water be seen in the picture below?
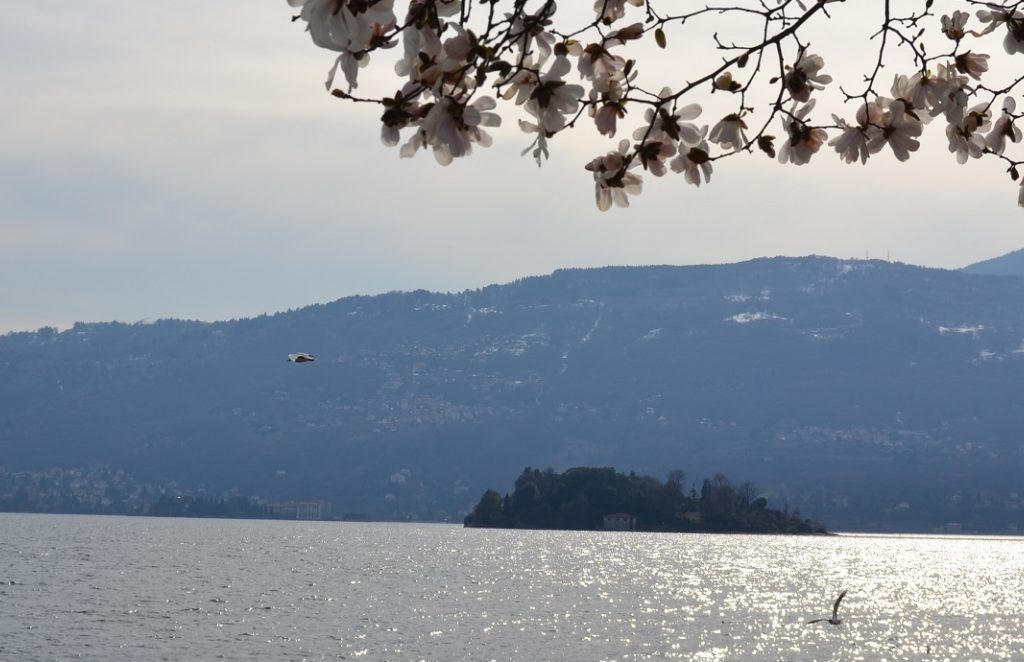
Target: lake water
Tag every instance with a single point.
(108, 588)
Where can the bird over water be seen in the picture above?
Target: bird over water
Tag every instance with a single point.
(301, 357)
(834, 620)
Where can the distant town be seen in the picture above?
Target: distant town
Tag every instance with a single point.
(101, 491)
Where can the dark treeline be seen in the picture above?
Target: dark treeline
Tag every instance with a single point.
(582, 497)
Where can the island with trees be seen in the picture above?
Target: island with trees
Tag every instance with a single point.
(600, 498)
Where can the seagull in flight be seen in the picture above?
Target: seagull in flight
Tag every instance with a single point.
(835, 620)
(301, 357)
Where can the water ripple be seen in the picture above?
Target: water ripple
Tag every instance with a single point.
(90, 588)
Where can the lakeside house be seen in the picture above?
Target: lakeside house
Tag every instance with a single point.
(619, 522)
(301, 510)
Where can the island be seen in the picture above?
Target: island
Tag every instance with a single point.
(600, 498)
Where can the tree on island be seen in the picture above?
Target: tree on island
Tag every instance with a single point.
(463, 66)
(582, 497)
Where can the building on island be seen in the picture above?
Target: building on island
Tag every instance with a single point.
(619, 522)
(303, 510)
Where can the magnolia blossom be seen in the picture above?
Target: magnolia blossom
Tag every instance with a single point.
(613, 183)
(965, 137)
(964, 143)
(349, 63)
(803, 140)
(694, 163)
(671, 127)
(552, 99)
(532, 32)
(343, 25)
(852, 142)
(899, 130)
(972, 64)
(728, 132)
(953, 26)
(539, 146)
(953, 102)
(459, 48)
(1003, 128)
(349, 29)
(921, 92)
(451, 128)
(520, 84)
(610, 11)
(653, 154)
(607, 115)
(399, 112)
(453, 49)
(422, 57)
(726, 82)
(803, 77)
(1013, 42)
(607, 71)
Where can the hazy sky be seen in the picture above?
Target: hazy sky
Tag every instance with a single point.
(185, 161)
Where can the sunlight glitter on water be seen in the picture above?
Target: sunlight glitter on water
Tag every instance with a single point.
(116, 588)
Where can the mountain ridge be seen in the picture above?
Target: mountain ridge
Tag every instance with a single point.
(1010, 264)
(812, 376)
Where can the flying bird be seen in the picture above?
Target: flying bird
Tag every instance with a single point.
(835, 620)
(301, 357)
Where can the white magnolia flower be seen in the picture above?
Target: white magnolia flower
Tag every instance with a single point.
(953, 102)
(953, 26)
(803, 140)
(350, 64)
(613, 183)
(852, 142)
(663, 126)
(964, 144)
(552, 100)
(531, 32)
(1004, 128)
(610, 11)
(899, 130)
(920, 93)
(459, 48)
(345, 25)
(728, 132)
(653, 155)
(965, 137)
(694, 163)
(399, 112)
(606, 71)
(420, 61)
(451, 128)
(972, 64)
(539, 146)
(1013, 42)
(520, 84)
(803, 77)
(607, 116)
(726, 82)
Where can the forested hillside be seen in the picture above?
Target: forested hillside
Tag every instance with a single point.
(866, 393)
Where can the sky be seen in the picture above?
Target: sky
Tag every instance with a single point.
(188, 163)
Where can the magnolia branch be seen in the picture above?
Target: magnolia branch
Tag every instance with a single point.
(462, 69)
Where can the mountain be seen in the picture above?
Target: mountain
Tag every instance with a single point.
(868, 394)
(1011, 264)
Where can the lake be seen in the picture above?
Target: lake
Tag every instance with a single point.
(113, 588)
